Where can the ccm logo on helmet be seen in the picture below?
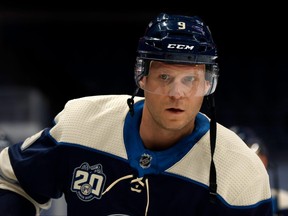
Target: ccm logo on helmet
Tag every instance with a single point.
(180, 46)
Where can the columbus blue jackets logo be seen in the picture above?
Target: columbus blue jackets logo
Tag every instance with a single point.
(88, 181)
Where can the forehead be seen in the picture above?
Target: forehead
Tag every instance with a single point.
(168, 65)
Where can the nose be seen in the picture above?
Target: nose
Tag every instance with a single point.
(176, 90)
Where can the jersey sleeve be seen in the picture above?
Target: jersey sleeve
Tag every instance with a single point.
(14, 204)
(25, 168)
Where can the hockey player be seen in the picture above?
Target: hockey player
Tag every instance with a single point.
(153, 155)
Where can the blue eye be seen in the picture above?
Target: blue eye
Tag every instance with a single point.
(188, 79)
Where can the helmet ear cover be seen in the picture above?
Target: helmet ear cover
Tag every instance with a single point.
(142, 69)
(212, 75)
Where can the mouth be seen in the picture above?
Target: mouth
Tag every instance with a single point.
(174, 110)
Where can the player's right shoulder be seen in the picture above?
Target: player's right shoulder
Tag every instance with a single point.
(88, 107)
(99, 99)
(99, 102)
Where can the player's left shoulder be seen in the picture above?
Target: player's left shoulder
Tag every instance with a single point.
(229, 139)
(231, 147)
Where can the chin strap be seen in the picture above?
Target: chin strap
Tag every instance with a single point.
(130, 102)
(213, 128)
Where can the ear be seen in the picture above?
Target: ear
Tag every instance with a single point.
(142, 82)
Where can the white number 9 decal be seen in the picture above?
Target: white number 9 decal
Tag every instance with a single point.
(181, 25)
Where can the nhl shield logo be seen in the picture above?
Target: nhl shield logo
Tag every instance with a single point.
(145, 161)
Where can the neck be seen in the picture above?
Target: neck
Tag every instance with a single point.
(157, 137)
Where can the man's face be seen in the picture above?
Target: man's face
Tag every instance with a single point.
(174, 93)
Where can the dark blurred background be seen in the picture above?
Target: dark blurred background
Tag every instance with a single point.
(63, 50)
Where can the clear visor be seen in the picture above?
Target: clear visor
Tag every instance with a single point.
(177, 80)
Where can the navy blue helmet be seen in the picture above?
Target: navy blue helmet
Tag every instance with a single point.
(177, 39)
